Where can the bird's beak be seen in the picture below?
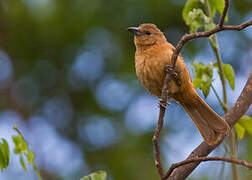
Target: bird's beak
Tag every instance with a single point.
(135, 30)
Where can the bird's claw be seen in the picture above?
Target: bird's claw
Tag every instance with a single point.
(173, 74)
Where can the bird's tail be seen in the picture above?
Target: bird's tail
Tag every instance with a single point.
(210, 124)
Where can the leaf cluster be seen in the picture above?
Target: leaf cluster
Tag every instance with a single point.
(22, 149)
(196, 16)
(203, 76)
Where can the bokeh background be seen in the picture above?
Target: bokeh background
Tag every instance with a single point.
(67, 79)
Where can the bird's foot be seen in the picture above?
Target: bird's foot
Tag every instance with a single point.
(163, 104)
(173, 74)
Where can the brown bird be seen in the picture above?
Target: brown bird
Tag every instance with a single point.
(153, 53)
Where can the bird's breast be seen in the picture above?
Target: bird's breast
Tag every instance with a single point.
(150, 71)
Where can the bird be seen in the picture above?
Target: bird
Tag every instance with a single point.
(153, 54)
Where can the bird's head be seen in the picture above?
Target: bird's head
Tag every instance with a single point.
(147, 34)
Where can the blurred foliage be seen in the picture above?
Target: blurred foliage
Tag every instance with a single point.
(4, 154)
(98, 175)
(22, 149)
(244, 125)
(70, 64)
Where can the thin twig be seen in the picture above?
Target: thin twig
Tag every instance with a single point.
(215, 47)
(224, 13)
(223, 164)
(203, 159)
(238, 27)
(232, 145)
(216, 94)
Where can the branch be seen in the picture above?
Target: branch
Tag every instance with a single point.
(238, 27)
(155, 139)
(159, 126)
(201, 159)
(203, 149)
(232, 116)
(224, 13)
(218, 28)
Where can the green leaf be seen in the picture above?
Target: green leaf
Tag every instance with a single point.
(203, 75)
(30, 156)
(217, 5)
(98, 175)
(240, 131)
(229, 74)
(189, 6)
(196, 82)
(212, 4)
(4, 154)
(20, 145)
(21, 148)
(206, 89)
(220, 4)
(243, 125)
(22, 163)
(246, 122)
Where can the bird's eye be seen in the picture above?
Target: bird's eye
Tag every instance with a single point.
(148, 32)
